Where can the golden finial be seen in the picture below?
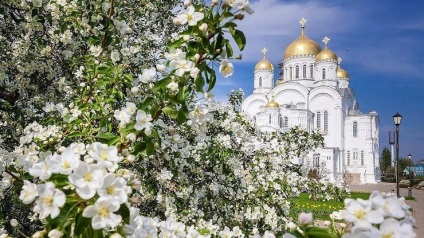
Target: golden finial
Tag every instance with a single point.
(339, 60)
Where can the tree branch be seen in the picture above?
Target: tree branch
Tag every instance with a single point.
(10, 97)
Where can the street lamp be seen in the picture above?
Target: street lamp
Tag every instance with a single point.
(397, 118)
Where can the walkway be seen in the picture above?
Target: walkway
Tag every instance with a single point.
(417, 205)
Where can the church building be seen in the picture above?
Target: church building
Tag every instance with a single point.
(313, 93)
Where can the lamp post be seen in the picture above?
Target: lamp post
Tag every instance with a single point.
(397, 118)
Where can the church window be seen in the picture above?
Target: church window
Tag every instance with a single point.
(304, 71)
(362, 157)
(316, 160)
(260, 81)
(318, 120)
(323, 73)
(269, 118)
(297, 71)
(348, 157)
(291, 72)
(355, 129)
(280, 122)
(355, 155)
(326, 121)
(312, 71)
(286, 122)
(254, 119)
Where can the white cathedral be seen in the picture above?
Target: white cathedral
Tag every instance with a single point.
(313, 93)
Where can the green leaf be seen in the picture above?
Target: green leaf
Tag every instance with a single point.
(140, 147)
(239, 38)
(200, 83)
(212, 81)
(318, 232)
(161, 83)
(124, 211)
(81, 224)
(147, 102)
(150, 146)
(156, 135)
(204, 232)
(229, 49)
(75, 134)
(181, 116)
(106, 136)
(170, 112)
(176, 44)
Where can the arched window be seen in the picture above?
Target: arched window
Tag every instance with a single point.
(260, 81)
(304, 71)
(318, 120)
(312, 71)
(291, 72)
(269, 117)
(297, 71)
(280, 122)
(355, 155)
(326, 121)
(355, 129)
(286, 122)
(323, 73)
(362, 157)
(254, 119)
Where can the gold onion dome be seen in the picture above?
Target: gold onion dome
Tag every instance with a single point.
(272, 104)
(341, 73)
(302, 45)
(264, 63)
(326, 54)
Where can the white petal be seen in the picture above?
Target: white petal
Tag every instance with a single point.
(90, 211)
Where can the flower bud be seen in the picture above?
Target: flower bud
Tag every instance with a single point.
(55, 234)
(239, 16)
(203, 27)
(187, 3)
(186, 37)
(160, 67)
(14, 223)
(176, 21)
(214, 2)
(305, 218)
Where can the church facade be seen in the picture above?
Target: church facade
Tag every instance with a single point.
(313, 93)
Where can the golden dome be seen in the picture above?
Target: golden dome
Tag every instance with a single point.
(272, 104)
(341, 73)
(302, 46)
(326, 54)
(264, 64)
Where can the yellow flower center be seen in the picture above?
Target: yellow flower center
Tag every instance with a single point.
(360, 214)
(111, 190)
(103, 155)
(66, 165)
(389, 234)
(48, 200)
(103, 212)
(88, 177)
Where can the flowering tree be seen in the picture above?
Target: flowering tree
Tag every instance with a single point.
(135, 145)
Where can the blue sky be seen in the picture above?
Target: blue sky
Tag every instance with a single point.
(381, 43)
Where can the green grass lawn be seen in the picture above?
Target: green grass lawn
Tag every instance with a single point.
(320, 209)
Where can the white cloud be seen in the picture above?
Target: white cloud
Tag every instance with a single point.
(275, 24)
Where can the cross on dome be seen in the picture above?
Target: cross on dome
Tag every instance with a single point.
(339, 60)
(326, 40)
(264, 50)
(303, 22)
